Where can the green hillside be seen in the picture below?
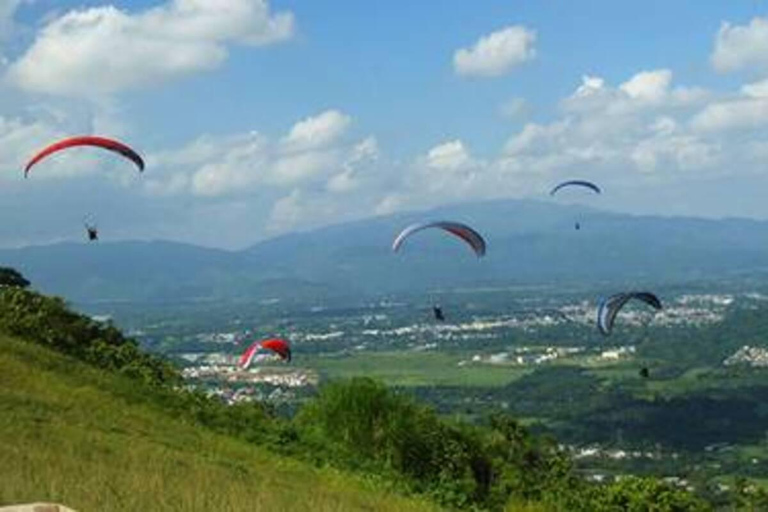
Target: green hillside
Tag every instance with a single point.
(71, 434)
(90, 420)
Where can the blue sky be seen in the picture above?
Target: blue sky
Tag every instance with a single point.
(259, 118)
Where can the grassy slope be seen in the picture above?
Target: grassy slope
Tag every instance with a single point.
(76, 435)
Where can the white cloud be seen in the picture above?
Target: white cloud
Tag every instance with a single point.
(317, 131)
(590, 86)
(390, 204)
(232, 166)
(287, 212)
(497, 53)
(297, 180)
(173, 185)
(664, 125)
(756, 89)
(368, 149)
(362, 155)
(293, 169)
(746, 110)
(741, 113)
(641, 125)
(16, 144)
(103, 50)
(739, 47)
(641, 133)
(310, 153)
(643, 90)
(306, 209)
(447, 172)
(448, 156)
(536, 136)
(684, 152)
(342, 182)
(634, 133)
(648, 85)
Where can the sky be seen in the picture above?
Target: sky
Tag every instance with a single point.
(258, 118)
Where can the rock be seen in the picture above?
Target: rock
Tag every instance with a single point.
(37, 507)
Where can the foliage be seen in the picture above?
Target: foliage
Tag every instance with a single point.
(48, 321)
(12, 277)
(633, 494)
(365, 423)
(360, 422)
(749, 497)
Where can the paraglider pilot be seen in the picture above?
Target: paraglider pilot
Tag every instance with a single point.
(93, 232)
(438, 311)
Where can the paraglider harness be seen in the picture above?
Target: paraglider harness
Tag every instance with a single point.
(91, 229)
(93, 232)
(438, 313)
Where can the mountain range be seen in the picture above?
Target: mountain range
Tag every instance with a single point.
(529, 242)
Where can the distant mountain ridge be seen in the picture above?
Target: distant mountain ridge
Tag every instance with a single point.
(529, 242)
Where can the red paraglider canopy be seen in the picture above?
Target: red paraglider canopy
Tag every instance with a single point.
(277, 345)
(87, 140)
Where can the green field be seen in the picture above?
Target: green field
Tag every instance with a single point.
(416, 369)
(70, 434)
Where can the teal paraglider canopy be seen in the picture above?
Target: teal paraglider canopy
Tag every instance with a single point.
(610, 307)
(576, 183)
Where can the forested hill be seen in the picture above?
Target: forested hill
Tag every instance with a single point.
(91, 421)
(528, 242)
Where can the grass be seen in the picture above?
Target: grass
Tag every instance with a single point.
(526, 507)
(416, 369)
(73, 435)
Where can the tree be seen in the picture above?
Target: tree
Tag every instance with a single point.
(12, 277)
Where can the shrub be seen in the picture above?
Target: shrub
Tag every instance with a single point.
(48, 321)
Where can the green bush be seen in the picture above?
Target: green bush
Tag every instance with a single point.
(48, 321)
(634, 494)
(362, 423)
(12, 277)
